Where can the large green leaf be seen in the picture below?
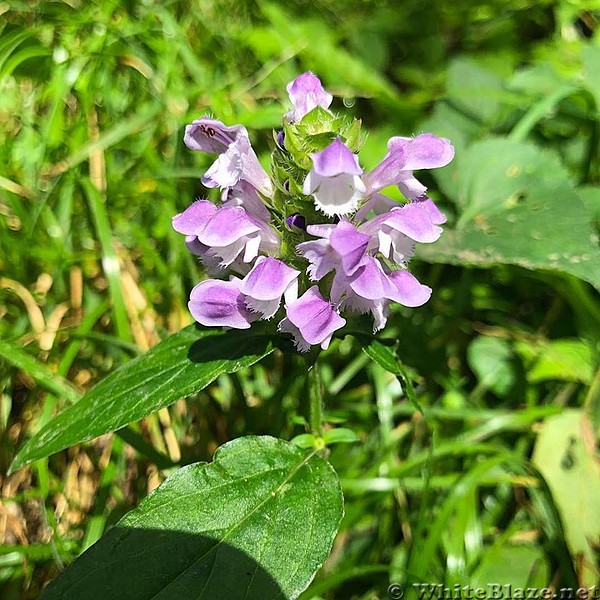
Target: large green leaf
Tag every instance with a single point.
(256, 524)
(518, 207)
(179, 366)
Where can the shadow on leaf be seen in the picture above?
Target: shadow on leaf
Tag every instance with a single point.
(143, 564)
(231, 344)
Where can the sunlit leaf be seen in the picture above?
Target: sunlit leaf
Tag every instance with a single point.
(181, 365)
(518, 206)
(256, 523)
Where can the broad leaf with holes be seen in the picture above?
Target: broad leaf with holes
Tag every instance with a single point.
(256, 523)
(518, 206)
(179, 366)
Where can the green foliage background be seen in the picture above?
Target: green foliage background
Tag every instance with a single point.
(497, 479)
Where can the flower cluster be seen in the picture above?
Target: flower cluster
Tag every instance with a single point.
(318, 234)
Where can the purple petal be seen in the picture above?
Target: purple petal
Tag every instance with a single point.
(388, 172)
(220, 303)
(336, 159)
(252, 170)
(210, 135)
(226, 226)
(314, 317)
(194, 217)
(194, 246)
(227, 170)
(437, 217)
(321, 230)
(350, 244)
(412, 220)
(245, 195)
(268, 279)
(236, 161)
(306, 93)
(318, 253)
(371, 282)
(410, 187)
(426, 151)
(378, 203)
(410, 292)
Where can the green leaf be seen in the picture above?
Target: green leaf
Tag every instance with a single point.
(565, 359)
(523, 566)
(385, 357)
(590, 195)
(256, 523)
(475, 89)
(304, 440)
(340, 435)
(591, 64)
(565, 455)
(179, 366)
(518, 207)
(491, 359)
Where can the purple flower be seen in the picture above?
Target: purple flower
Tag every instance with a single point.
(311, 320)
(397, 230)
(371, 289)
(217, 303)
(245, 195)
(405, 155)
(266, 283)
(225, 232)
(358, 254)
(360, 283)
(235, 161)
(334, 180)
(306, 93)
(341, 246)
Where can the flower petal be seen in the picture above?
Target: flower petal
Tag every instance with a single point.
(437, 217)
(245, 195)
(410, 187)
(371, 282)
(268, 279)
(338, 195)
(336, 159)
(226, 226)
(314, 317)
(306, 92)
(425, 151)
(412, 220)
(320, 256)
(350, 244)
(226, 171)
(220, 303)
(210, 135)
(410, 292)
(286, 326)
(194, 217)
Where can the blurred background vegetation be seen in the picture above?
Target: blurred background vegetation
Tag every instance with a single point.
(499, 479)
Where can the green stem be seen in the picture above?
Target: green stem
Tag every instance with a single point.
(315, 395)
